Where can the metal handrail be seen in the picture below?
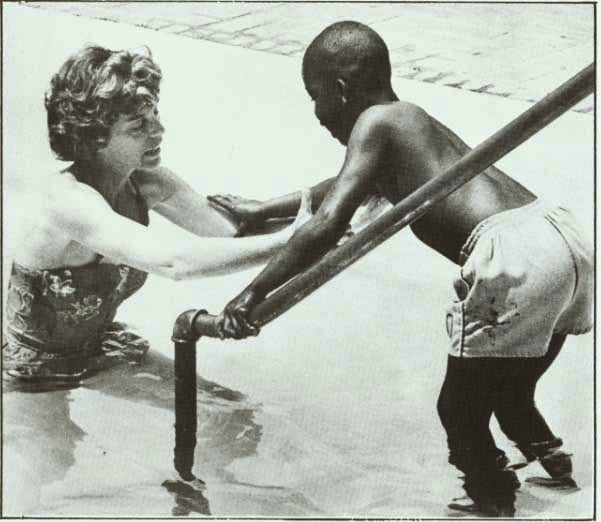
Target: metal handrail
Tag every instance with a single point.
(193, 324)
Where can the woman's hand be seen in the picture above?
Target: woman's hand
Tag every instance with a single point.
(248, 212)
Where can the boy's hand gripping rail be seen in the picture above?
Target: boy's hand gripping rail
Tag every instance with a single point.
(193, 324)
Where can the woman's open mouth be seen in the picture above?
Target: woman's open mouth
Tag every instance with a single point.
(153, 152)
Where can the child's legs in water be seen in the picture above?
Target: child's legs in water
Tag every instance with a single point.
(521, 421)
(514, 406)
(465, 406)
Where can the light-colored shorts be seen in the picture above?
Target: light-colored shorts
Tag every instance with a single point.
(525, 275)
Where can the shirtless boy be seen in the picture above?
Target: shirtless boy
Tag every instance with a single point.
(525, 276)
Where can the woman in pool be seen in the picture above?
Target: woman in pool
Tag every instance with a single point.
(86, 248)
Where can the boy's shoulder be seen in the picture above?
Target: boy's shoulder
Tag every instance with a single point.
(398, 114)
(399, 120)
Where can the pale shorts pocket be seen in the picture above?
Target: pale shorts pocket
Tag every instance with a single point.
(517, 281)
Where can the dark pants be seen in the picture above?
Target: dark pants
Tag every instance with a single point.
(474, 389)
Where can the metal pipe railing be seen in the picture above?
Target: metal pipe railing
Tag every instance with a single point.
(193, 324)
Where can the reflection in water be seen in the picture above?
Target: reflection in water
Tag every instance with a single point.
(40, 436)
(189, 497)
(39, 440)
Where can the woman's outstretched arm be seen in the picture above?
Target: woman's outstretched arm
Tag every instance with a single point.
(86, 217)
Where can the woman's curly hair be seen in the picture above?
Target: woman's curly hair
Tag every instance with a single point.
(89, 92)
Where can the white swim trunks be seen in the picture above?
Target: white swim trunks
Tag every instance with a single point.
(526, 274)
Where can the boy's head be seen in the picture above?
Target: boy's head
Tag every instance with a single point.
(345, 69)
(89, 93)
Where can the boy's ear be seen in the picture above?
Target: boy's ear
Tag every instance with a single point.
(342, 90)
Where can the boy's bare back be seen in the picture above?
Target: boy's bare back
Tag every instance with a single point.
(421, 148)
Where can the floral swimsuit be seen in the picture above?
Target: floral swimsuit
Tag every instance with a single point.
(57, 319)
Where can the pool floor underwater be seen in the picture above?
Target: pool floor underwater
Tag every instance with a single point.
(319, 426)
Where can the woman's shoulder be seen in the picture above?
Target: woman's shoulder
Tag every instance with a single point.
(63, 199)
(38, 195)
(64, 189)
(33, 213)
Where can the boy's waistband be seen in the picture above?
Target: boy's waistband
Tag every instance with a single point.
(507, 218)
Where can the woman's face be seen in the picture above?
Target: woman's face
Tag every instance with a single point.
(134, 141)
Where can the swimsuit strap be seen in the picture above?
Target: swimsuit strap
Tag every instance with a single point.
(142, 206)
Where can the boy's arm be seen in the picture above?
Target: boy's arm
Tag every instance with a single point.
(253, 212)
(316, 237)
(286, 206)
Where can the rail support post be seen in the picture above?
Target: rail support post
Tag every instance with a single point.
(184, 338)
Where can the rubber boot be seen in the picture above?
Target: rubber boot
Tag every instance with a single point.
(555, 462)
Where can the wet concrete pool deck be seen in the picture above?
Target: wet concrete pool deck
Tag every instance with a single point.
(514, 51)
